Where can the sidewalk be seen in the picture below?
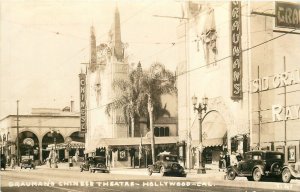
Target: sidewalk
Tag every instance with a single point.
(210, 175)
(215, 174)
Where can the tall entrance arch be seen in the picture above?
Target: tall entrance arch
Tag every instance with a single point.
(48, 139)
(29, 145)
(214, 137)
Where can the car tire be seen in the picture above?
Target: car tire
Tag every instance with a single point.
(257, 175)
(162, 171)
(286, 175)
(81, 169)
(231, 174)
(149, 171)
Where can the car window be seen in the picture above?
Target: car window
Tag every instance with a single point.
(248, 156)
(171, 158)
(274, 156)
(256, 157)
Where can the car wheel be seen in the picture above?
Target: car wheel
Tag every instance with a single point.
(162, 171)
(81, 169)
(149, 171)
(257, 175)
(286, 175)
(250, 178)
(231, 174)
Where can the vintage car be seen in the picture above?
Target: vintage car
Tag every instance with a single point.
(166, 164)
(27, 163)
(3, 161)
(259, 164)
(96, 163)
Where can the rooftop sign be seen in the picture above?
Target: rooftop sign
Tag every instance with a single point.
(287, 15)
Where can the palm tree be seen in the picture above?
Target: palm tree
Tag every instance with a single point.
(155, 83)
(128, 91)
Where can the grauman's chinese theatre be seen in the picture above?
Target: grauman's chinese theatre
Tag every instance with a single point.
(109, 135)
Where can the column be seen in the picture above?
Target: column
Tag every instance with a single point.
(41, 150)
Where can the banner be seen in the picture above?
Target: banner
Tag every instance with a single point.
(236, 27)
(83, 117)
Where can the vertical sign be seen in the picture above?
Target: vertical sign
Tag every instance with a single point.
(236, 27)
(82, 82)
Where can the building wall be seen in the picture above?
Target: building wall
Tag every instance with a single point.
(40, 125)
(213, 81)
(270, 60)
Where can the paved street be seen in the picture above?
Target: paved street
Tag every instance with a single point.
(64, 179)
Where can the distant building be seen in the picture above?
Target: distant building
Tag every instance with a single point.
(35, 133)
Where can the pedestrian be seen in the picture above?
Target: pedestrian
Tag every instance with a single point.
(13, 163)
(50, 162)
(222, 162)
(70, 162)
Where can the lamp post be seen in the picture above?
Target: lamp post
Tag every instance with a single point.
(54, 134)
(200, 109)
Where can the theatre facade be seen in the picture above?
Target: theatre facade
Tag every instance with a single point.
(247, 64)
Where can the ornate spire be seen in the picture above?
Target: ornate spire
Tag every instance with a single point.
(117, 43)
(93, 51)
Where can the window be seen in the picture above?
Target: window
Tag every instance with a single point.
(161, 131)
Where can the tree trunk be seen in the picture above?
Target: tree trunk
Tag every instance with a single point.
(150, 110)
(132, 126)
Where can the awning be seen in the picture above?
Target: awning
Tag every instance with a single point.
(209, 142)
(106, 142)
(214, 131)
(72, 145)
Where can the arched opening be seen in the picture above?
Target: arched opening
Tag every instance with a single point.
(77, 137)
(50, 138)
(29, 145)
(214, 138)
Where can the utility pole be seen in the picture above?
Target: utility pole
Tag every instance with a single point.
(259, 111)
(18, 139)
(284, 88)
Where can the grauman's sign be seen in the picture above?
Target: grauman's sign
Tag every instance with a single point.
(290, 112)
(82, 83)
(236, 51)
(276, 81)
(287, 15)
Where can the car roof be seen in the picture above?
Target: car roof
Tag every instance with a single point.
(167, 155)
(265, 151)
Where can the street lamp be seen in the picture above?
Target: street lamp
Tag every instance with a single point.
(200, 109)
(54, 134)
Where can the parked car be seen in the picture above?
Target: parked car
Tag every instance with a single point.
(3, 161)
(257, 165)
(96, 163)
(166, 164)
(27, 163)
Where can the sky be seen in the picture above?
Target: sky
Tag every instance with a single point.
(44, 43)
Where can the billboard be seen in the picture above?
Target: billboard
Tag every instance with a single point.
(287, 15)
(82, 97)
